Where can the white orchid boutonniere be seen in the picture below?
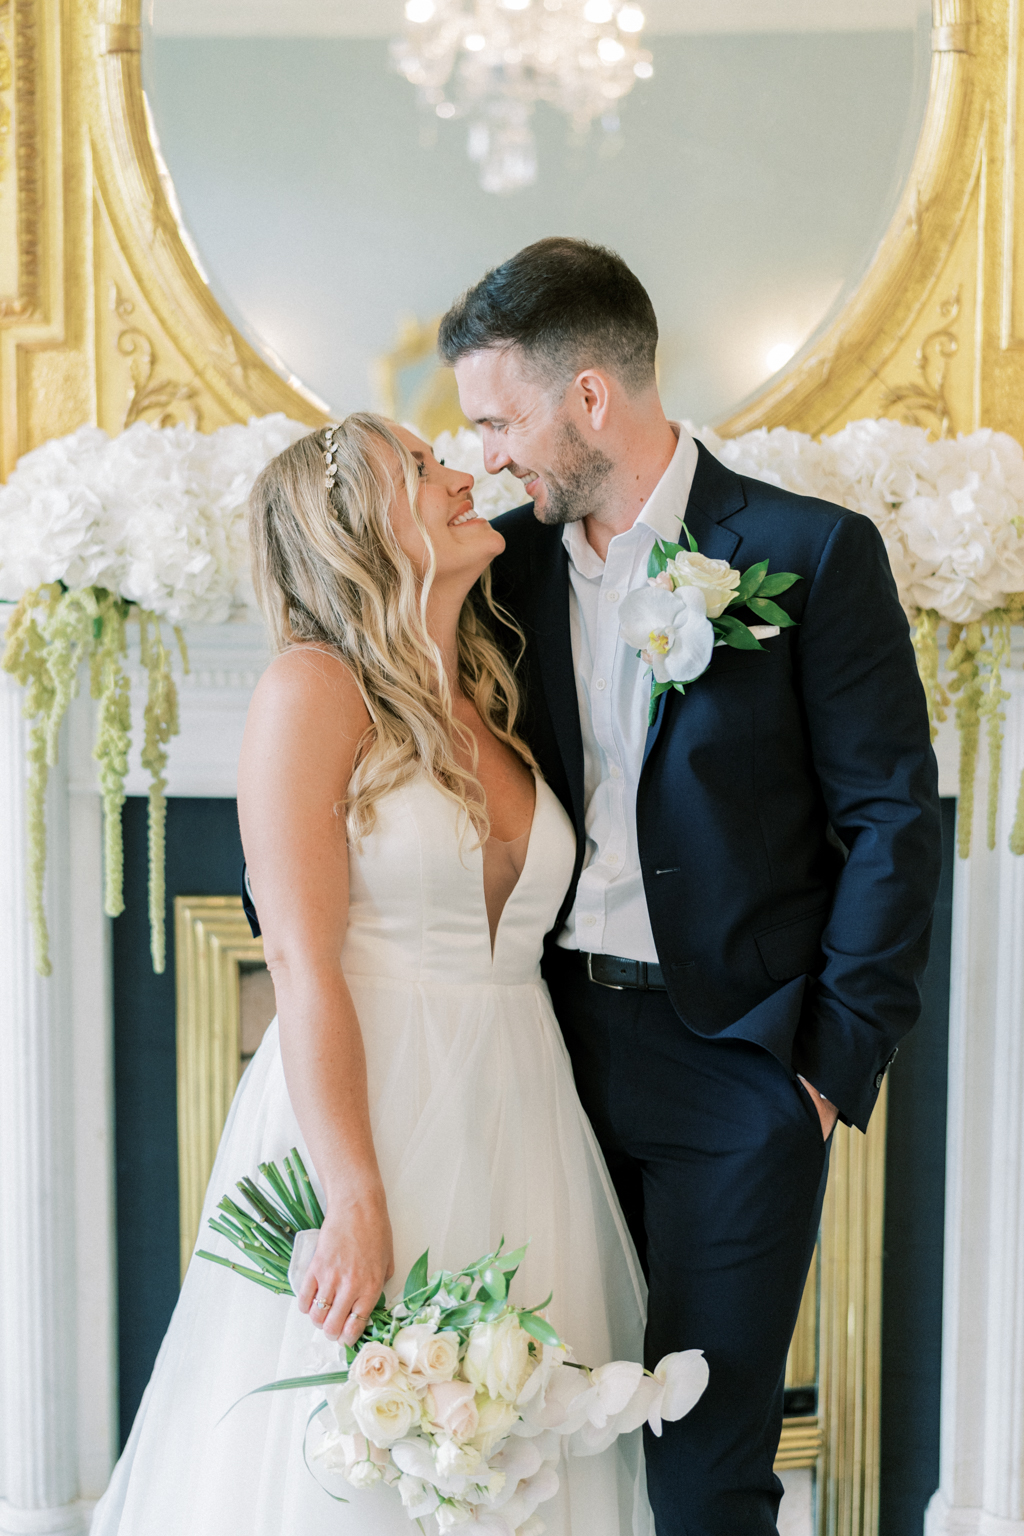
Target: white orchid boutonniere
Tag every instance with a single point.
(676, 621)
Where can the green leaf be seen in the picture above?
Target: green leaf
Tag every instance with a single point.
(781, 582)
(508, 1263)
(464, 1316)
(690, 540)
(293, 1384)
(490, 1309)
(750, 582)
(539, 1328)
(735, 633)
(657, 689)
(771, 612)
(494, 1283)
(417, 1280)
(657, 560)
(305, 1437)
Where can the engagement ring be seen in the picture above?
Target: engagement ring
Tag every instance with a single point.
(324, 1306)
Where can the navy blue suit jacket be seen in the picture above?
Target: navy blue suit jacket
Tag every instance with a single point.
(787, 812)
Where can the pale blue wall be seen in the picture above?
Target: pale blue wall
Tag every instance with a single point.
(755, 176)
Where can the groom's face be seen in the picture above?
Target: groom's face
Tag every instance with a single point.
(528, 428)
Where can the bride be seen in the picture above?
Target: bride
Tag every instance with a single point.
(406, 860)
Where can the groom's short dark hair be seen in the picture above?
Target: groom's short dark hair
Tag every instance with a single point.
(568, 305)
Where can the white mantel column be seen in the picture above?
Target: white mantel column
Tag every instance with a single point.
(38, 1440)
(982, 1457)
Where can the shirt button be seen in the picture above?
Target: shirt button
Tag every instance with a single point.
(616, 773)
(590, 921)
(612, 597)
(612, 858)
(599, 684)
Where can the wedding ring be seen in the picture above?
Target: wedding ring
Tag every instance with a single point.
(323, 1306)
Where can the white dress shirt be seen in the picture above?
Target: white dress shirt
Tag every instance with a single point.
(610, 916)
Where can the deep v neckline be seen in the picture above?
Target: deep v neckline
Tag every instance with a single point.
(502, 873)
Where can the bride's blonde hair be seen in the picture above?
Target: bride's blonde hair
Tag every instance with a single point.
(328, 568)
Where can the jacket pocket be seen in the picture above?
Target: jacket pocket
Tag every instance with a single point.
(793, 948)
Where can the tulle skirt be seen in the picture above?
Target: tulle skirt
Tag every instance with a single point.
(480, 1136)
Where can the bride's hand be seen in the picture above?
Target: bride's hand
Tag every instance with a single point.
(353, 1262)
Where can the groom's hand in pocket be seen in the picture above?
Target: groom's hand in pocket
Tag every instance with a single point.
(827, 1113)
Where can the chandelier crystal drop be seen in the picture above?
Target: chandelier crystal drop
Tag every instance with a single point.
(491, 61)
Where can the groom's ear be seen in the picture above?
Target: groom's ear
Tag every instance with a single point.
(591, 394)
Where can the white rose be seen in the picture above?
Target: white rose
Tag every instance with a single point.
(495, 1419)
(417, 1496)
(364, 1474)
(715, 578)
(386, 1415)
(671, 630)
(498, 1358)
(374, 1367)
(452, 1408)
(427, 1355)
(454, 1460)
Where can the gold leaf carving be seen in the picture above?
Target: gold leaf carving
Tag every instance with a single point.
(922, 402)
(165, 401)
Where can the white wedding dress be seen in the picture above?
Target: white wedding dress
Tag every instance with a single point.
(479, 1135)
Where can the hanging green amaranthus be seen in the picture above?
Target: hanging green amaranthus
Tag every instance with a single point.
(52, 631)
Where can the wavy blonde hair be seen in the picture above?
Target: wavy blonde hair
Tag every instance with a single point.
(328, 568)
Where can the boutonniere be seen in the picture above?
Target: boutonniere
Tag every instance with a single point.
(676, 621)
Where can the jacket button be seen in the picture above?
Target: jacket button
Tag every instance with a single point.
(879, 1079)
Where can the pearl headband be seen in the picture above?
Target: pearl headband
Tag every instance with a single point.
(330, 464)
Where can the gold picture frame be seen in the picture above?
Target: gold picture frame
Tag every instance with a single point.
(212, 942)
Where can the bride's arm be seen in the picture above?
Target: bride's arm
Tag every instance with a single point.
(301, 737)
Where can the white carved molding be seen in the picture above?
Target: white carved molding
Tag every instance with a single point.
(982, 1456)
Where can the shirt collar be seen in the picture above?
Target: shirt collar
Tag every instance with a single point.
(663, 514)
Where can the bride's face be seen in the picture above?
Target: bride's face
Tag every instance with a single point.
(464, 544)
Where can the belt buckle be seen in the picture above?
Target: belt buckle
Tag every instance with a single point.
(591, 977)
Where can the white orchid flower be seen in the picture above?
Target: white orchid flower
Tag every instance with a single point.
(671, 630)
(669, 1393)
(683, 1377)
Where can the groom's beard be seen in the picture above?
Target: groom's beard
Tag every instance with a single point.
(575, 481)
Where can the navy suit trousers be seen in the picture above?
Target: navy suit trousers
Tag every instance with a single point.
(717, 1155)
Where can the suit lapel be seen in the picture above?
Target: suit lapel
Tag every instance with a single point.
(550, 584)
(716, 494)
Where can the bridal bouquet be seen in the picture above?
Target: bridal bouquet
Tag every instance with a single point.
(457, 1398)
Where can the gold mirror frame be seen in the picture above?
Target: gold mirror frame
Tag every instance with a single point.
(104, 318)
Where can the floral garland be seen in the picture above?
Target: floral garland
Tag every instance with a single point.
(149, 526)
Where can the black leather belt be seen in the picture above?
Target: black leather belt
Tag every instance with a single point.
(618, 973)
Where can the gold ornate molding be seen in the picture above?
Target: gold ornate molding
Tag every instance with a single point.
(894, 350)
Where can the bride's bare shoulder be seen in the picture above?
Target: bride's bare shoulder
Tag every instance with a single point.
(309, 693)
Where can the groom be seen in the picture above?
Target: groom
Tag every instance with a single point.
(740, 950)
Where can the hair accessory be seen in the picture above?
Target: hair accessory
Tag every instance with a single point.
(330, 464)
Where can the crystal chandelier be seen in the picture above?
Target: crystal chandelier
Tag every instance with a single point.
(491, 61)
